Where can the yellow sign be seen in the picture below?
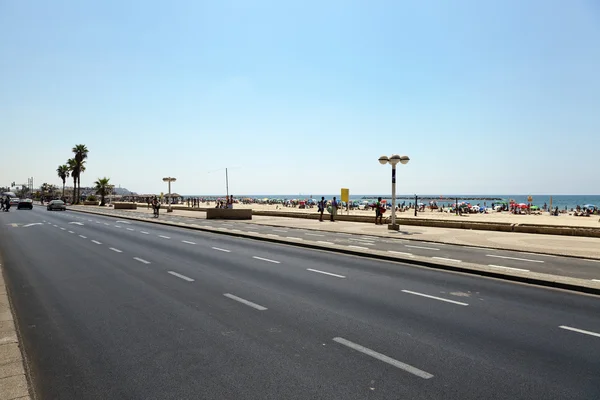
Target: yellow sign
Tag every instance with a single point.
(345, 195)
(529, 199)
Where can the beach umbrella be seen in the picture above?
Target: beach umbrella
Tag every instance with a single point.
(589, 206)
(535, 208)
(522, 205)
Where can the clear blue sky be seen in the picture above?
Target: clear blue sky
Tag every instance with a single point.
(303, 97)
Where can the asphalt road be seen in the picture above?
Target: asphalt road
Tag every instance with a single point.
(502, 260)
(130, 310)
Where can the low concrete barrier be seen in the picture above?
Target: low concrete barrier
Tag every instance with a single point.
(228, 213)
(91, 203)
(118, 205)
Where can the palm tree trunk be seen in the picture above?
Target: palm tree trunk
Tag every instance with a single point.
(78, 189)
(63, 189)
(74, 189)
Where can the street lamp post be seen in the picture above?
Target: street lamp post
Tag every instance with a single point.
(393, 160)
(169, 180)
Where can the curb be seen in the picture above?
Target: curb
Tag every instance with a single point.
(532, 278)
(15, 380)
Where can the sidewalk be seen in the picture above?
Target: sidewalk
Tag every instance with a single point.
(535, 243)
(13, 382)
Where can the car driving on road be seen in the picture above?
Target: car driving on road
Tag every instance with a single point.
(25, 204)
(14, 201)
(56, 205)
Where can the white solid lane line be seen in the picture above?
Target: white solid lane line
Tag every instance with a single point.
(514, 258)
(115, 250)
(188, 242)
(267, 260)
(420, 247)
(313, 234)
(246, 302)
(141, 260)
(384, 358)
(95, 241)
(220, 249)
(164, 237)
(324, 242)
(185, 278)
(514, 269)
(435, 298)
(130, 229)
(83, 237)
(145, 233)
(292, 237)
(401, 253)
(580, 331)
(358, 247)
(447, 259)
(325, 273)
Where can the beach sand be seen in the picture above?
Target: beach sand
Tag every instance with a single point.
(544, 219)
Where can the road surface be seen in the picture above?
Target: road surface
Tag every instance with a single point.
(111, 308)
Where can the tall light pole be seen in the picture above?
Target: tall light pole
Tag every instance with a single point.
(393, 160)
(169, 180)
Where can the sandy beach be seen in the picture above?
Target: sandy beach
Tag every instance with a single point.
(504, 217)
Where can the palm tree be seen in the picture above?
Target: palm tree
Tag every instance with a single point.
(74, 169)
(81, 153)
(63, 174)
(103, 188)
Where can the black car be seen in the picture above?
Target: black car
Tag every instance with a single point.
(25, 204)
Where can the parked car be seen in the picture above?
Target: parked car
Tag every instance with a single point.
(56, 205)
(25, 204)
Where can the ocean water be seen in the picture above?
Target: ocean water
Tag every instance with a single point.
(560, 201)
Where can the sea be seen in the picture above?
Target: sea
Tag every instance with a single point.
(560, 201)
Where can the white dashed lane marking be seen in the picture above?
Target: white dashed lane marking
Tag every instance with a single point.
(569, 328)
(115, 250)
(83, 237)
(514, 258)
(509, 268)
(141, 260)
(435, 298)
(267, 260)
(164, 237)
(145, 233)
(187, 241)
(384, 358)
(447, 259)
(421, 247)
(325, 273)
(246, 302)
(185, 278)
(95, 241)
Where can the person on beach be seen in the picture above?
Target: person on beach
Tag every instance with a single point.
(334, 208)
(155, 207)
(321, 208)
(378, 213)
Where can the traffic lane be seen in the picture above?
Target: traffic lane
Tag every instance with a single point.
(384, 321)
(503, 260)
(363, 338)
(115, 337)
(436, 283)
(287, 277)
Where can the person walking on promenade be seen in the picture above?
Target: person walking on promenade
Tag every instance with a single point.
(334, 208)
(321, 208)
(155, 207)
(378, 213)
